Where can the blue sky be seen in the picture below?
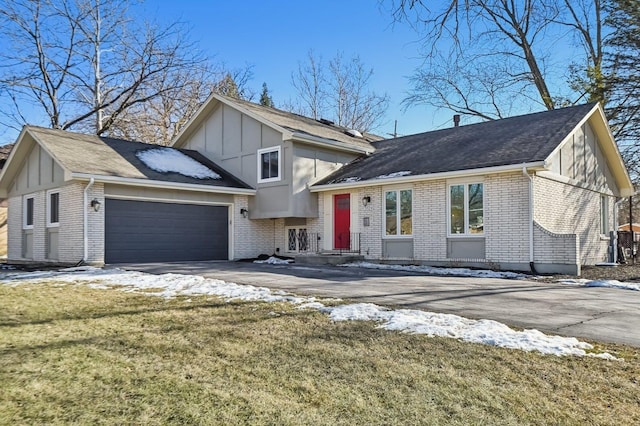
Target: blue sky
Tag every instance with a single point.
(274, 36)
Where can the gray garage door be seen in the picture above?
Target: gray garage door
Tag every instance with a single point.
(141, 231)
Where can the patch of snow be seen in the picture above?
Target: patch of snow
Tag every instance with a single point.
(409, 321)
(486, 332)
(166, 159)
(393, 175)
(274, 261)
(602, 283)
(458, 272)
(350, 179)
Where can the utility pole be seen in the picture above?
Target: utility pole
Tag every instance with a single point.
(634, 248)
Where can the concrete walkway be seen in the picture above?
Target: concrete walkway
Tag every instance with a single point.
(599, 314)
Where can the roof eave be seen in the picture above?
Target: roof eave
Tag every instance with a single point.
(161, 184)
(537, 165)
(316, 140)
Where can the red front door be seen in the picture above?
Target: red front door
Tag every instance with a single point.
(341, 221)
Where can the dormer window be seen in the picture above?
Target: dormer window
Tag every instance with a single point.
(269, 164)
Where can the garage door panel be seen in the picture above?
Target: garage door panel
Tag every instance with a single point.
(142, 231)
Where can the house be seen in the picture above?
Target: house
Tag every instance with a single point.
(531, 191)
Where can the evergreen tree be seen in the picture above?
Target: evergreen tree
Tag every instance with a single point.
(623, 106)
(265, 98)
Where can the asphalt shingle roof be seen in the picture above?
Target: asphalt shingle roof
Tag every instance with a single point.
(102, 156)
(516, 140)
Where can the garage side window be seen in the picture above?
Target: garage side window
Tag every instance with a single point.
(269, 164)
(27, 211)
(53, 208)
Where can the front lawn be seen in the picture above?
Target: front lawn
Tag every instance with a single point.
(73, 354)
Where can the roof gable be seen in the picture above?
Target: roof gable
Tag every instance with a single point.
(291, 126)
(514, 141)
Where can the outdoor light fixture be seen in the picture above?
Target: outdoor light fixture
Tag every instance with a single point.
(244, 213)
(366, 200)
(95, 204)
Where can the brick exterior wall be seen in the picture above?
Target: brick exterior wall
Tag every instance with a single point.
(251, 237)
(566, 209)
(506, 213)
(71, 228)
(430, 220)
(14, 228)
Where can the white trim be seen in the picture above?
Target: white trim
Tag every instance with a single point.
(399, 235)
(432, 176)
(465, 184)
(263, 151)
(47, 204)
(161, 184)
(24, 210)
(165, 200)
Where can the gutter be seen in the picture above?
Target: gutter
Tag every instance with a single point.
(85, 201)
(531, 257)
(161, 184)
(431, 176)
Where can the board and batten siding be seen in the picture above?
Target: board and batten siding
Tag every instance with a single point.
(232, 140)
(580, 159)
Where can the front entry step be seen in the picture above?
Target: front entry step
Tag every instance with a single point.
(328, 259)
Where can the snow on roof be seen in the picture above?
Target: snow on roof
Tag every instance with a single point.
(166, 160)
(409, 321)
(393, 175)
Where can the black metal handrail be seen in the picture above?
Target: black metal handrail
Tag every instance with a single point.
(348, 242)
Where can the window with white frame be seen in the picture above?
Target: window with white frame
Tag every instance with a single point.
(53, 208)
(269, 164)
(466, 209)
(604, 214)
(28, 203)
(398, 212)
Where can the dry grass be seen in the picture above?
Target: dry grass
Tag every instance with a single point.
(75, 355)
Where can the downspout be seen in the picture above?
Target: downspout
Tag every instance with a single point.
(531, 264)
(85, 200)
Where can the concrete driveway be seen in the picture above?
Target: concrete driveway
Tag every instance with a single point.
(600, 314)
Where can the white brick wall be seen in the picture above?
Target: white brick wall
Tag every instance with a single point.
(14, 228)
(251, 237)
(71, 234)
(430, 220)
(565, 209)
(506, 217)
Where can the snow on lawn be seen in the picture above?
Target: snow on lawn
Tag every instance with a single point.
(274, 261)
(458, 272)
(602, 283)
(165, 160)
(409, 321)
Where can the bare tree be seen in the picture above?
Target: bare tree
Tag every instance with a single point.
(308, 81)
(508, 48)
(84, 64)
(340, 92)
